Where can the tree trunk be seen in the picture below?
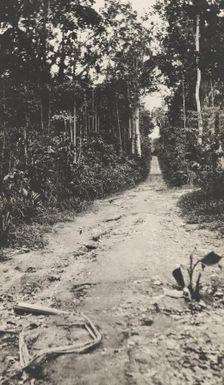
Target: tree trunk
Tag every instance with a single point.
(93, 111)
(96, 115)
(184, 104)
(130, 136)
(70, 122)
(62, 59)
(80, 146)
(75, 128)
(129, 128)
(85, 127)
(25, 141)
(198, 81)
(95, 122)
(133, 131)
(89, 129)
(120, 145)
(214, 127)
(10, 161)
(212, 94)
(41, 116)
(4, 124)
(44, 67)
(137, 134)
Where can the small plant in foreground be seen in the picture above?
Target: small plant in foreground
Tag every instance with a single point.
(192, 282)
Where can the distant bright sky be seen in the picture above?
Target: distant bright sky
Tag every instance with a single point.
(139, 5)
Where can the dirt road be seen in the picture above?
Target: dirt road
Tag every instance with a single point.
(123, 251)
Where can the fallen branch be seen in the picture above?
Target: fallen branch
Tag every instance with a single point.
(28, 362)
(94, 333)
(23, 307)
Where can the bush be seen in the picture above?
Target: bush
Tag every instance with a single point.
(174, 157)
(53, 180)
(183, 160)
(208, 170)
(101, 171)
(198, 208)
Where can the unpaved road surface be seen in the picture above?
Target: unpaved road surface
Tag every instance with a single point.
(113, 264)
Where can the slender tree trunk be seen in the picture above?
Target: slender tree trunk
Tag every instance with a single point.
(80, 144)
(25, 129)
(85, 128)
(75, 128)
(137, 134)
(62, 59)
(212, 94)
(214, 113)
(70, 122)
(95, 122)
(93, 110)
(100, 116)
(130, 124)
(89, 129)
(129, 128)
(220, 118)
(4, 124)
(10, 160)
(41, 116)
(65, 125)
(120, 145)
(44, 67)
(133, 133)
(198, 81)
(184, 104)
(96, 115)
(130, 136)
(98, 124)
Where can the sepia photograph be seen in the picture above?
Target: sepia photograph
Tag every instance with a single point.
(111, 192)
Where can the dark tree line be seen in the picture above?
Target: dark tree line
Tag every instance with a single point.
(70, 77)
(192, 61)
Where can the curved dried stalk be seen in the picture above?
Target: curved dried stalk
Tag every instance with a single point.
(28, 362)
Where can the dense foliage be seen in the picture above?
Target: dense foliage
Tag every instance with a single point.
(51, 182)
(72, 124)
(191, 60)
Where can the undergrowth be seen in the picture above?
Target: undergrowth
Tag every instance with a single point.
(55, 189)
(200, 208)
